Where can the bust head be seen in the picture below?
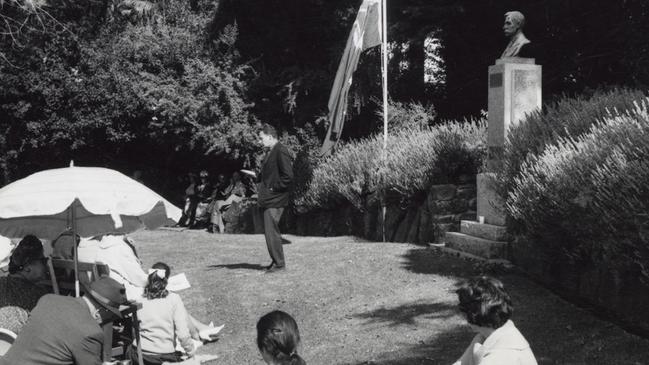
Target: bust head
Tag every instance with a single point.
(514, 22)
(513, 29)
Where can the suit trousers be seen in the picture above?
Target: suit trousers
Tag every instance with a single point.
(273, 237)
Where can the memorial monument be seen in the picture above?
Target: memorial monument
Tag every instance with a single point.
(514, 91)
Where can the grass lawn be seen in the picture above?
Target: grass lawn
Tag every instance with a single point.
(359, 302)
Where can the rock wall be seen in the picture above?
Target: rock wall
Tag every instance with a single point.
(618, 293)
(419, 220)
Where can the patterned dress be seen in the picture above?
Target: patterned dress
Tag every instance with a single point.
(17, 298)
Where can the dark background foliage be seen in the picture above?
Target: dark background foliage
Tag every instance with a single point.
(169, 86)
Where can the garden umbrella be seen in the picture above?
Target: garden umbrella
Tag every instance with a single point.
(88, 200)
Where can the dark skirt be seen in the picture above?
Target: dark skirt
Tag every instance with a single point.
(152, 359)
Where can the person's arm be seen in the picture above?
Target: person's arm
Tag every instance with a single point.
(132, 268)
(181, 324)
(468, 355)
(285, 170)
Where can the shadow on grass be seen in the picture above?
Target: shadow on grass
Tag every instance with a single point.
(242, 265)
(407, 313)
(442, 349)
(429, 261)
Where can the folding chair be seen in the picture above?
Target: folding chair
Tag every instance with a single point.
(89, 272)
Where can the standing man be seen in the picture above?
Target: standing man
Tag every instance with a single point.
(66, 331)
(272, 189)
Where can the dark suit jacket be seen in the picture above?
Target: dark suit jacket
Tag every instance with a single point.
(275, 178)
(60, 331)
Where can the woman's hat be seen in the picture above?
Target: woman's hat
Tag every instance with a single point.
(109, 294)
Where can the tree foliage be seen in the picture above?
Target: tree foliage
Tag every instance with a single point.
(126, 91)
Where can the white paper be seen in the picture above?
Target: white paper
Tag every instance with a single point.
(248, 172)
(209, 334)
(178, 282)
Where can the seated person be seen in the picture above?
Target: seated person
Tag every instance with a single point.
(63, 246)
(19, 291)
(234, 192)
(67, 330)
(487, 308)
(163, 320)
(203, 196)
(189, 209)
(118, 252)
(278, 338)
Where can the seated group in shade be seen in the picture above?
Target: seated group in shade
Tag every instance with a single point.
(66, 330)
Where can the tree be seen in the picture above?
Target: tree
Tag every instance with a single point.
(110, 91)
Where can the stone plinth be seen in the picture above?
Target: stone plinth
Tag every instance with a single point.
(489, 205)
(514, 91)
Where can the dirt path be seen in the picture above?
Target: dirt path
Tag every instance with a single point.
(360, 302)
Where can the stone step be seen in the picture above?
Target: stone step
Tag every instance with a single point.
(442, 248)
(484, 230)
(488, 249)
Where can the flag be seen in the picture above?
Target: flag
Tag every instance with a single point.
(366, 33)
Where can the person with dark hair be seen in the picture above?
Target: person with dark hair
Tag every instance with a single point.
(118, 252)
(163, 319)
(19, 291)
(278, 338)
(273, 192)
(190, 202)
(66, 330)
(226, 195)
(488, 309)
(203, 198)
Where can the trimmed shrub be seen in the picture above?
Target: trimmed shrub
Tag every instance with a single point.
(414, 160)
(568, 117)
(586, 198)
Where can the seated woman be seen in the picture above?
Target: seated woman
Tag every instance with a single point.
(163, 320)
(278, 338)
(203, 196)
(234, 192)
(487, 308)
(121, 258)
(19, 291)
(189, 209)
(118, 252)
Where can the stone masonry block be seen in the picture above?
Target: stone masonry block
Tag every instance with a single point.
(443, 192)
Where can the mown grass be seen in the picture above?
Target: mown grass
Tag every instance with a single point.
(361, 302)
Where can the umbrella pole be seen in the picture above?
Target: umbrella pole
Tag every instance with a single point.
(73, 219)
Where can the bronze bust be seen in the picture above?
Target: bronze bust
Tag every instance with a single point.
(513, 29)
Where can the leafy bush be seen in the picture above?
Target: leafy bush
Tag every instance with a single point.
(104, 84)
(587, 197)
(567, 117)
(414, 159)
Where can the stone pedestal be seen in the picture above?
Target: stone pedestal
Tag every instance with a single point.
(489, 204)
(514, 91)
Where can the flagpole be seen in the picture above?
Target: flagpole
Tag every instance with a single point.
(384, 74)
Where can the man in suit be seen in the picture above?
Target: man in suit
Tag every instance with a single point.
(273, 192)
(65, 330)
